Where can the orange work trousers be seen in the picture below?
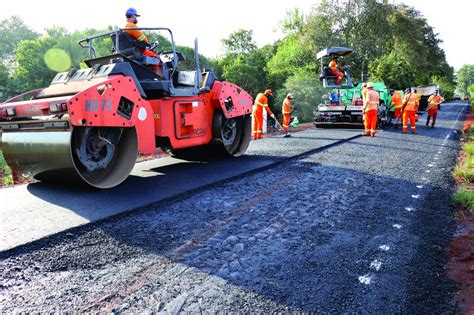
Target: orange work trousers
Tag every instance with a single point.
(257, 124)
(370, 122)
(338, 74)
(286, 121)
(409, 115)
(432, 113)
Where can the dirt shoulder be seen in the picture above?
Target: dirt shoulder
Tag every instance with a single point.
(461, 251)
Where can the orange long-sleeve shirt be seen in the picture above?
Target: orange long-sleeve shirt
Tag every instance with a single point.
(136, 34)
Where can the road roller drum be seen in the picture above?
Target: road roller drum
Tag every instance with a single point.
(90, 124)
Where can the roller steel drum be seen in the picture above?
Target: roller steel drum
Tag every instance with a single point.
(100, 157)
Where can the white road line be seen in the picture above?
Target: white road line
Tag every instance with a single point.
(376, 264)
(365, 279)
(384, 247)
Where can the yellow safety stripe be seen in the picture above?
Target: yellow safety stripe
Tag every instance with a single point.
(261, 104)
(141, 37)
(286, 113)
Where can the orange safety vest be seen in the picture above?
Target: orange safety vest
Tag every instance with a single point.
(261, 102)
(397, 101)
(286, 107)
(372, 101)
(411, 101)
(434, 101)
(136, 34)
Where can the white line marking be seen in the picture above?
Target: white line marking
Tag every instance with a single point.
(397, 226)
(365, 279)
(384, 247)
(376, 264)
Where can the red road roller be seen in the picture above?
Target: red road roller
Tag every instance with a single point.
(92, 123)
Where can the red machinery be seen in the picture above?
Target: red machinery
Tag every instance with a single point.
(93, 122)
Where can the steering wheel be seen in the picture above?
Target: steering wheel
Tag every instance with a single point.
(153, 45)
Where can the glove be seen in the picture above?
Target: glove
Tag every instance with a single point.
(272, 116)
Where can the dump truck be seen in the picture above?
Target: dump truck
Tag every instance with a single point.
(425, 91)
(90, 124)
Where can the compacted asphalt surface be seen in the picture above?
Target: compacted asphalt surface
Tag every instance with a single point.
(323, 221)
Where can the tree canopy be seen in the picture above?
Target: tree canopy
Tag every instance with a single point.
(391, 42)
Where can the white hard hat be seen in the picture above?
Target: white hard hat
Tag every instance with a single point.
(290, 95)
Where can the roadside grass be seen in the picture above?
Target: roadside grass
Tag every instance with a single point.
(6, 178)
(464, 172)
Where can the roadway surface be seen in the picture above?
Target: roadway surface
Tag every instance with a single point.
(30, 212)
(362, 225)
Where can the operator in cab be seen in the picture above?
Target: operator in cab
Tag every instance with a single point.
(131, 14)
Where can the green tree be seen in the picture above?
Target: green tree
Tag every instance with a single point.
(13, 31)
(293, 22)
(307, 91)
(464, 78)
(392, 69)
(239, 42)
(31, 71)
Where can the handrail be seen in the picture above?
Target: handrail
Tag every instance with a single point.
(88, 41)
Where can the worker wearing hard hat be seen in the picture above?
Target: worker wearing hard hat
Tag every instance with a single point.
(131, 14)
(433, 106)
(286, 111)
(370, 110)
(397, 104)
(335, 72)
(261, 102)
(409, 108)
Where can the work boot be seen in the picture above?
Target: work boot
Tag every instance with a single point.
(287, 135)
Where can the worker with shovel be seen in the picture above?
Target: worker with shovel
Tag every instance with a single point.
(286, 111)
(261, 102)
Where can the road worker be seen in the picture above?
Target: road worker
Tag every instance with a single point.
(335, 72)
(286, 111)
(409, 108)
(397, 104)
(370, 110)
(261, 102)
(131, 15)
(335, 98)
(433, 106)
